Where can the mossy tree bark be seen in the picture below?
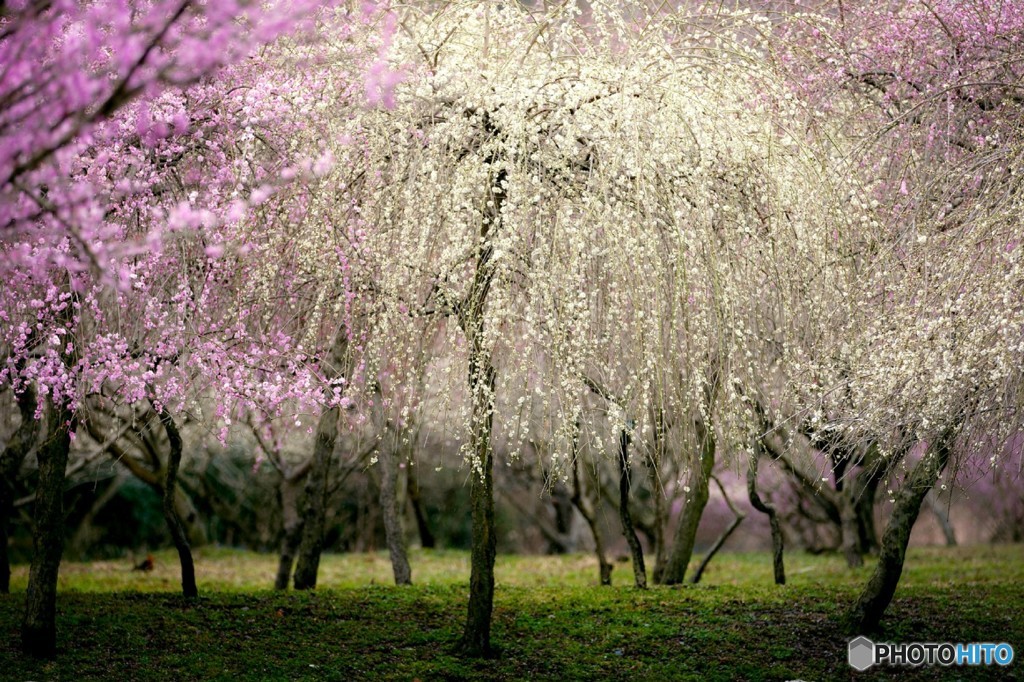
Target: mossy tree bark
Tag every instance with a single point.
(476, 635)
(693, 508)
(38, 628)
(869, 608)
(738, 517)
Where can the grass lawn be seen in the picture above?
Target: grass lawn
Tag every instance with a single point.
(551, 620)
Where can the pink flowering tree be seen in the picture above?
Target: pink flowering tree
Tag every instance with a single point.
(154, 194)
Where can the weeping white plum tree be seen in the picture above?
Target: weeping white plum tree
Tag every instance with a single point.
(552, 204)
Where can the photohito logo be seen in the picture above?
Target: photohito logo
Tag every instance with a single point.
(863, 653)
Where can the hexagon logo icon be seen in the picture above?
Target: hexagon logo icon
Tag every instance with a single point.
(861, 653)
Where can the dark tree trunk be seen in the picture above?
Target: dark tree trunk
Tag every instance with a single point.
(476, 636)
(141, 438)
(874, 600)
(291, 537)
(314, 507)
(427, 540)
(188, 569)
(393, 530)
(866, 512)
(635, 550)
(773, 519)
(11, 459)
(849, 521)
(38, 629)
(560, 541)
(583, 503)
(693, 508)
(856, 505)
(291, 532)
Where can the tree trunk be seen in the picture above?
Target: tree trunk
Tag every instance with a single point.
(142, 439)
(737, 520)
(38, 629)
(427, 540)
(314, 507)
(873, 601)
(476, 636)
(866, 511)
(856, 506)
(941, 513)
(693, 509)
(658, 492)
(582, 502)
(561, 540)
(635, 550)
(188, 569)
(849, 527)
(291, 531)
(393, 530)
(11, 459)
(773, 518)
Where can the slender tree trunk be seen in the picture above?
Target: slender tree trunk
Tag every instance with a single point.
(141, 439)
(427, 540)
(693, 508)
(773, 519)
(561, 540)
(874, 600)
(658, 492)
(393, 530)
(941, 513)
(11, 459)
(738, 517)
(476, 636)
(849, 526)
(635, 550)
(38, 629)
(582, 502)
(867, 492)
(314, 507)
(855, 502)
(292, 483)
(188, 569)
